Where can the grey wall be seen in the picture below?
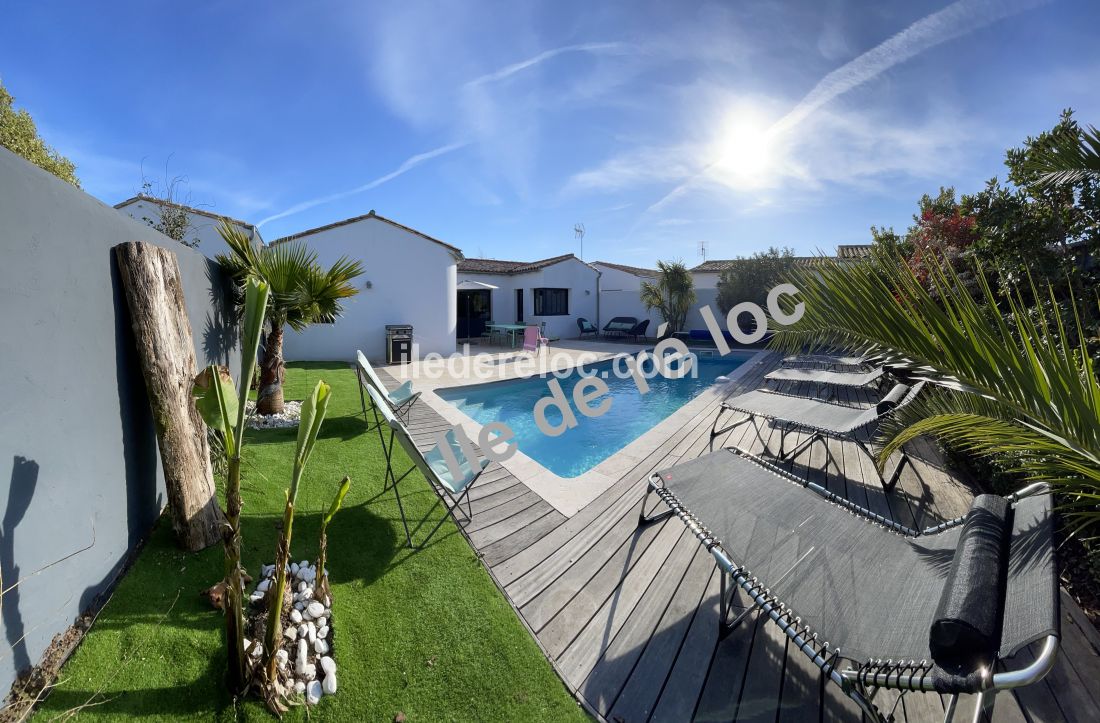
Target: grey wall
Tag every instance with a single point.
(75, 426)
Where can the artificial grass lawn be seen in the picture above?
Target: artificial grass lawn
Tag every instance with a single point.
(424, 633)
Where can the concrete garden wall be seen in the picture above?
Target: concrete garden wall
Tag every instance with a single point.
(75, 431)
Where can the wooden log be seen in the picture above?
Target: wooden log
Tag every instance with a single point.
(154, 294)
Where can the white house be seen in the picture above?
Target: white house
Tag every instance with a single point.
(553, 292)
(620, 293)
(409, 278)
(203, 224)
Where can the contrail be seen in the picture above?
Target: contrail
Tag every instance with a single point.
(956, 20)
(408, 165)
(510, 70)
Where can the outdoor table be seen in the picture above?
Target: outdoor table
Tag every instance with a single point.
(510, 328)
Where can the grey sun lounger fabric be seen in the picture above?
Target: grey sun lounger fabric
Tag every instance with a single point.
(826, 376)
(869, 590)
(803, 411)
(825, 361)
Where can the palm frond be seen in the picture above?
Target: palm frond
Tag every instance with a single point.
(1014, 385)
(1069, 159)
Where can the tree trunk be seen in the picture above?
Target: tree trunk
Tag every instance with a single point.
(151, 281)
(269, 399)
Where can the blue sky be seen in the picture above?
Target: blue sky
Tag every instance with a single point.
(497, 126)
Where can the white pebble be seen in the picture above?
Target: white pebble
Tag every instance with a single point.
(322, 621)
(256, 596)
(320, 646)
(303, 630)
(300, 663)
(293, 568)
(295, 616)
(316, 609)
(314, 692)
(263, 586)
(311, 632)
(290, 632)
(302, 587)
(311, 671)
(281, 656)
(257, 649)
(322, 632)
(329, 683)
(300, 687)
(328, 665)
(303, 563)
(299, 605)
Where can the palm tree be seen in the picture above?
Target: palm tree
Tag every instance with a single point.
(672, 295)
(302, 293)
(1008, 385)
(1070, 158)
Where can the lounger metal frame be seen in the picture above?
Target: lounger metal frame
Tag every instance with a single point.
(817, 434)
(860, 684)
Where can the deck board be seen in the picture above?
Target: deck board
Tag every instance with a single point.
(628, 616)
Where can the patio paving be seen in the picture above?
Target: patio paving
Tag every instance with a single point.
(628, 617)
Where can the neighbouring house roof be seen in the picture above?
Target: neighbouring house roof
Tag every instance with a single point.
(355, 219)
(634, 270)
(500, 266)
(853, 251)
(189, 209)
(845, 253)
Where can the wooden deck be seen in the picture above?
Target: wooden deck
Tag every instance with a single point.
(628, 617)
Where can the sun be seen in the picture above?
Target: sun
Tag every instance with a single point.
(744, 151)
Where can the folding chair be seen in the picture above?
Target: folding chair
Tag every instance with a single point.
(432, 465)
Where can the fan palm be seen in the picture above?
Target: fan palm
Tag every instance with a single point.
(1011, 385)
(1070, 159)
(672, 295)
(302, 293)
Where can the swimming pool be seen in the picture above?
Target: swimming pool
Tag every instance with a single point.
(594, 439)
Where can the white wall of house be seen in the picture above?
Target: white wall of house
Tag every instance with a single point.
(412, 281)
(572, 274)
(706, 294)
(620, 295)
(203, 228)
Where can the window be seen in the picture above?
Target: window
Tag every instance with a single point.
(551, 302)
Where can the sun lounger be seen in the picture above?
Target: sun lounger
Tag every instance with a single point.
(430, 464)
(817, 419)
(870, 602)
(826, 377)
(833, 362)
(400, 400)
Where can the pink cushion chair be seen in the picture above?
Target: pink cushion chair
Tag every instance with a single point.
(533, 339)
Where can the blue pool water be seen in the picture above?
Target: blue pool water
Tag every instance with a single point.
(594, 439)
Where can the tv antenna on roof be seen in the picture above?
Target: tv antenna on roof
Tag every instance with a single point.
(703, 249)
(578, 233)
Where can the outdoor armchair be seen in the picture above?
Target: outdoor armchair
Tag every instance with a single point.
(870, 602)
(820, 420)
(432, 465)
(400, 400)
(586, 327)
(833, 362)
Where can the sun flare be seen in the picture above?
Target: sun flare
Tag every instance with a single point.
(744, 153)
